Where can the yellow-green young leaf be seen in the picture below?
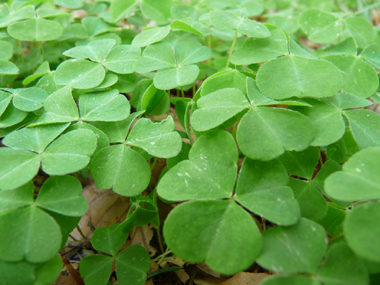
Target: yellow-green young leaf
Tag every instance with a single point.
(158, 139)
(290, 280)
(16, 198)
(104, 106)
(361, 30)
(95, 26)
(259, 50)
(96, 269)
(106, 240)
(154, 101)
(39, 243)
(29, 99)
(261, 188)
(150, 36)
(34, 138)
(17, 167)
(120, 168)
(11, 116)
(319, 26)
(359, 230)
(132, 265)
(175, 77)
(224, 79)
(35, 30)
(312, 203)
(298, 76)
(181, 25)
(341, 266)
(80, 74)
(217, 107)
(364, 127)
(284, 247)
(359, 77)
(6, 50)
(41, 71)
(210, 172)
(122, 59)
(265, 133)
(8, 68)
(327, 122)
(61, 194)
(358, 180)
(94, 50)
(119, 8)
(69, 153)
(158, 11)
(213, 231)
(372, 54)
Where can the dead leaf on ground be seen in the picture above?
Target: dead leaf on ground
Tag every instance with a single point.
(143, 236)
(105, 208)
(246, 278)
(209, 280)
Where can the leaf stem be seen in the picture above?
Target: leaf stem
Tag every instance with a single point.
(182, 93)
(336, 237)
(21, 53)
(81, 233)
(42, 51)
(365, 9)
(232, 49)
(160, 239)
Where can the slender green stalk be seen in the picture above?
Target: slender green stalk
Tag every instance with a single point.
(232, 49)
(21, 53)
(81, 233)
(209, 46)
(365, 9)
(42, 51)
(182, 93)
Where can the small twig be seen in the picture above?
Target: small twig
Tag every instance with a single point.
(81, 233)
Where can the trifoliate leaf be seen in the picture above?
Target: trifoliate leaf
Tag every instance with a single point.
(298, 76)
(61, 194)
(122, 59)
(284, 247)
(104, 239)
(96, 269)
(40, 240)
(80, 74)
(34, 138)
(265, 133)
(359, 230)
(217, 107)
(261, 189)
(120, 168)
(150, 36)
(361, 30)
(17, 167)
(358, 179)
(359, 77)
(35, 30)
(105, 106)
(29, 99)
(209, 230)
(16, 198)
(95, 50)
(69, 153)
(158, 139)
(210, 172)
